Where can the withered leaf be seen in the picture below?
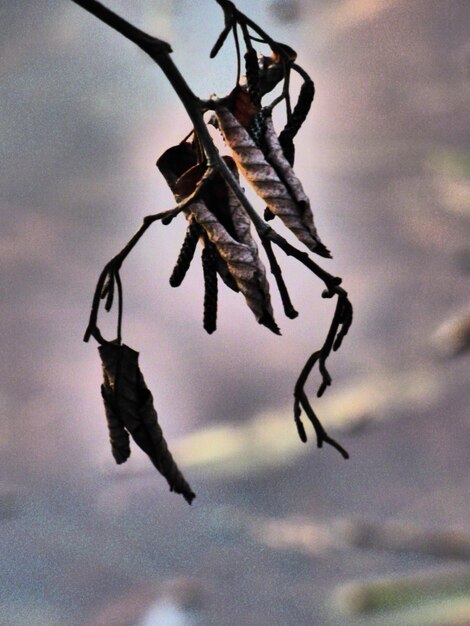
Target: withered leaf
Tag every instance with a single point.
(118, 435)
(216, 212)
(129, 404)
(242, 223)
(280, 198)
(241, 105)
(275, 156)
(175, 161)
(243, 263)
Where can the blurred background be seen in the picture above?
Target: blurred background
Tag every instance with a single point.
(280, 533)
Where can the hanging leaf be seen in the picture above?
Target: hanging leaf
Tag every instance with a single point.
(243, 263)
(227, 227)
(240, 103)
(281, 200)
(275, 157)
(129, 408)
(118, 435)
(175, 161)
(242, 225)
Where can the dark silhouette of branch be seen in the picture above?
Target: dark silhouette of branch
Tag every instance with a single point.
(285, 196)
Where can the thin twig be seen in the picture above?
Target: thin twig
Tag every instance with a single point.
(115, 263)
(277, 273)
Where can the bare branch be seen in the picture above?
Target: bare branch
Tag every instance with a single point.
(261, 148)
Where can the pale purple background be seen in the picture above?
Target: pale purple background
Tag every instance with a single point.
(84, 116)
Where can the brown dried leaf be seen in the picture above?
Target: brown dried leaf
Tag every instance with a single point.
(175, 161)
(275, 157)
(216, 212)
(266, 182)
(240, 104)
(243, 263)
(130, 404)
(241, 222)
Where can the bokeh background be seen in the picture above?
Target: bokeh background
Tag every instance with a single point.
(281, 533)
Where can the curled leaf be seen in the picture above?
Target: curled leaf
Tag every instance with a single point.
(118, 435)
(129, 408)
(258, 299)
(285, 199)
(243, 263)
(240, 103)
(227, 226)
(271, 69)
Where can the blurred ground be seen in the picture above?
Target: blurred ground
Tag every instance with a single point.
(385, 157)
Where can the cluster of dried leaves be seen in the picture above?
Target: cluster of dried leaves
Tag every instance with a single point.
(207, 189)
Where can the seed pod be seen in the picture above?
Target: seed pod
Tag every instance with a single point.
(291, 205)
(257, 128)
(130, 404)
(242, 224)
(288, 148)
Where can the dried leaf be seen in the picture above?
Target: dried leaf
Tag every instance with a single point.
(290, 204)
(232, 241)
(241, 222)
(129, 407)
(275, 156)
(209, 266)
(242, 106)
(243, 263)
(271, 70)
(175, 161)
(118, 435)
